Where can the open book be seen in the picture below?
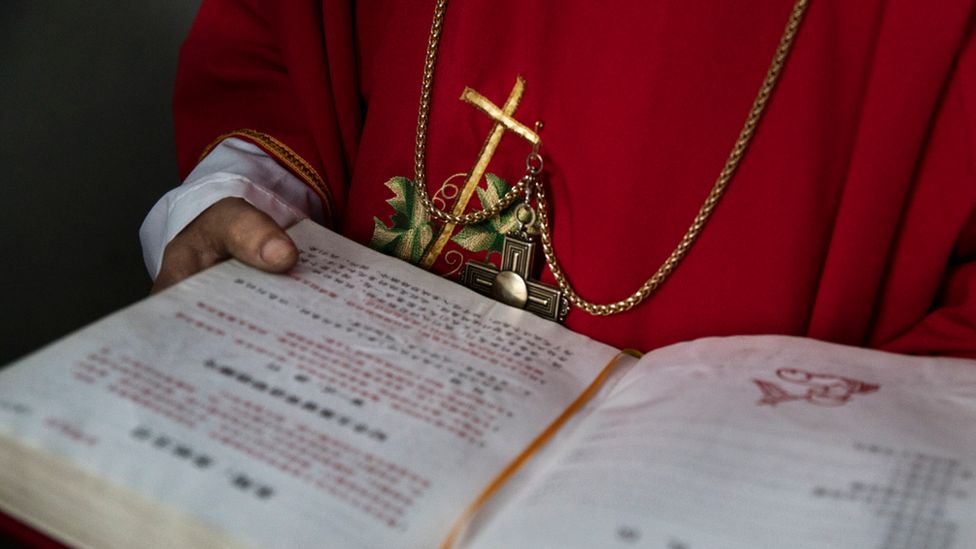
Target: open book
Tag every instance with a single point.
(360, 402)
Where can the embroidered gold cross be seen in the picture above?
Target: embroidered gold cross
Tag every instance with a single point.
(504, 121)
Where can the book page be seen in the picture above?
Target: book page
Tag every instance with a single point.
(761, 442)
(356, 401)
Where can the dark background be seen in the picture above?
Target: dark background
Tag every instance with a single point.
(86, 148)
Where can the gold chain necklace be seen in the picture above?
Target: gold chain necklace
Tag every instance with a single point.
(534, 185)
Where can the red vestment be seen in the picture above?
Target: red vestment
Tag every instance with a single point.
(851, 218)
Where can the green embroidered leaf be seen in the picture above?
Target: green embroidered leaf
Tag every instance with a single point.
(409, 232)
(489, 234)
(475, 239)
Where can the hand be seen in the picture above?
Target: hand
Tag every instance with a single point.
(229, 228)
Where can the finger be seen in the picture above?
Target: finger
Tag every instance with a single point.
(254, 238)
(180, 260)
(229, 228)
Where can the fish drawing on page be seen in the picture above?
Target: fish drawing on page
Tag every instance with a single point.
(816, 388)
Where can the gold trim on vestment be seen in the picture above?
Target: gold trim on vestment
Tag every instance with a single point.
(290, 160)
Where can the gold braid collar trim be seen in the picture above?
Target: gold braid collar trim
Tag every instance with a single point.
(290, 160)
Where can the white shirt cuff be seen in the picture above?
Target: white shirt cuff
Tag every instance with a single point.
(235, 168)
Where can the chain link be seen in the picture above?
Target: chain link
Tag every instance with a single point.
(532, 183)
(420, 147)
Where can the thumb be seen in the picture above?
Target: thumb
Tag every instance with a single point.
(255, 239)
(278, 253)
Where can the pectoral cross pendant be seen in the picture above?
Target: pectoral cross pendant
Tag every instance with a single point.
(512, 284)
